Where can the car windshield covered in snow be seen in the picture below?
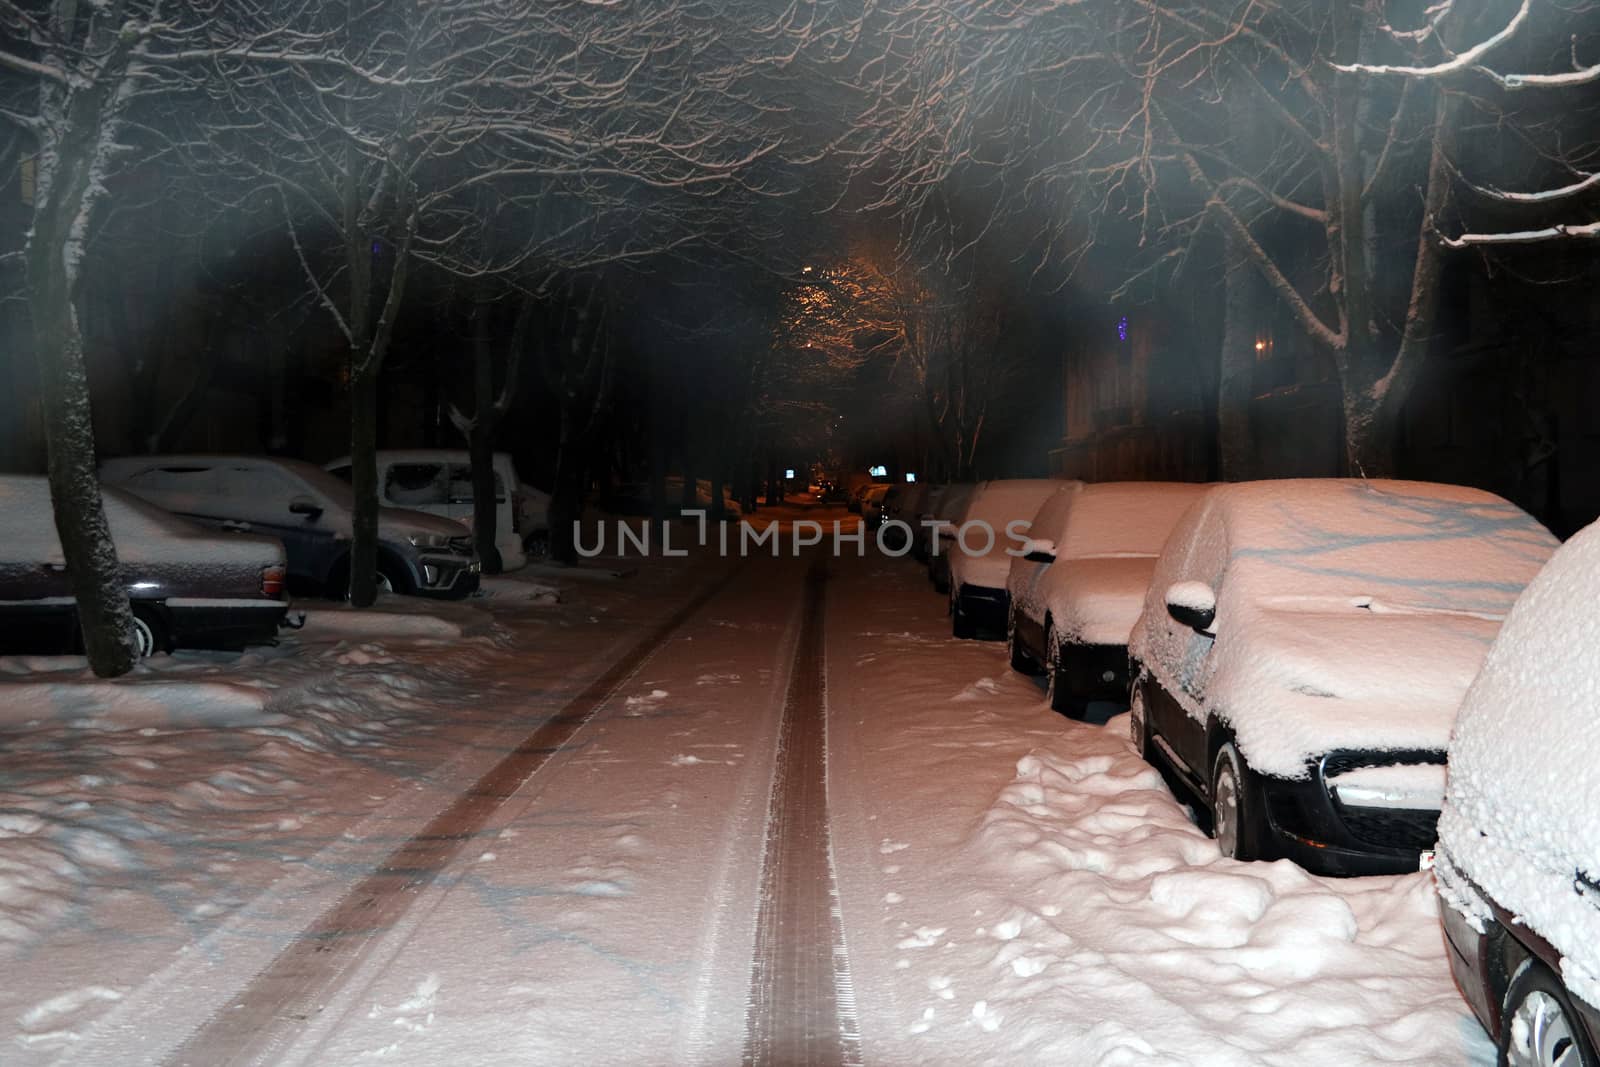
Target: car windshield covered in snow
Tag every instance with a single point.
(1402, 547)
(1121, 519)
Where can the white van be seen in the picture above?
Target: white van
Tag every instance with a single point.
(439, 482)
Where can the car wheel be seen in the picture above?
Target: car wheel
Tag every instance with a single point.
(1233, 805)
(961, 625)
(536, 546)
(1021, 660)
(149, 635)
(1539, 1027)
(1057, 688)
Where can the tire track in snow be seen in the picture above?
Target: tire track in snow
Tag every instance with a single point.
(280, 1001)
(801, 1008)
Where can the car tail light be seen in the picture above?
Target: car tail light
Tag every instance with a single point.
(272, 580)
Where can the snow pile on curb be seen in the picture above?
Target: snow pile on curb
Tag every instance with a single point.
(1125, 937)
(89, 703)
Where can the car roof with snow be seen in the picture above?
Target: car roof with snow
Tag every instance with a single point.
(1519, 815)
(142, 532)
(1118, 519)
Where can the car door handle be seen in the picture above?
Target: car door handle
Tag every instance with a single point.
(235, 525)
(53, 568)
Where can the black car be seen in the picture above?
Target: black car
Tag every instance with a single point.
(190, 587)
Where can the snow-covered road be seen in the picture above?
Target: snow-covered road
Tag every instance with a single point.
(1012, 887)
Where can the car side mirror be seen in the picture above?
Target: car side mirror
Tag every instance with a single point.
(1039, 550)
(304, 505)
(1192, 603)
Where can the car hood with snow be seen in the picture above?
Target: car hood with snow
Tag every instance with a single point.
(1349, 614)
(1096, 601)
(1524, 781)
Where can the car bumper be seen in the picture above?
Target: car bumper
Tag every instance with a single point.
(1094, 672)
(447, 577)
(984, 607)
(201, 623)
(1307, 824)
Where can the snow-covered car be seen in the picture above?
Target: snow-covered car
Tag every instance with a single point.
(439, 481)
(310, 511)
(1078, 590)
(189, 587)
(1303, 649)
(1519, 839)
(991, 526)
(937, 540)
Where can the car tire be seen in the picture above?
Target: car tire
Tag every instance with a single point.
(1234, 805)
(536, 546)
(1056, 688)
(961, 625)
(1022, 660)
(149, 633)
(1539, 1025)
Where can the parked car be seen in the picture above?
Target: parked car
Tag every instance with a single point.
(439, 481)
(872, 502)
(853, 502)
(310, 511)
(919, 515)
(940, 541)
(1303, 649)
(980, 561)
(1079, 589)
(1519, 843)
(190, 587)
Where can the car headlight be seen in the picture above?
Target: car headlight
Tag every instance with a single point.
(429, 540)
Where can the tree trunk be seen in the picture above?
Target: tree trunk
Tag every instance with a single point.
(1236, 369)
(60, 226)
(363, 587)
(1370, 428)
(104, 615)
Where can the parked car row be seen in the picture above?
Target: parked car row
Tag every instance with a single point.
(1295, 656)
(210, 544)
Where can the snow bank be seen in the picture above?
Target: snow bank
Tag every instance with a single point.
(90, 703)
(1349, 613)
(1129, 939)
(1519, 818)
(344, 621)
(506, 587)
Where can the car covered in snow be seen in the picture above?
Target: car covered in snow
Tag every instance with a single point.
(189, 587)
(942, 515)
(992, 526)
(1078, 589)
(311, 512)
(1518, 865)
(439, 482)
(1302, 651)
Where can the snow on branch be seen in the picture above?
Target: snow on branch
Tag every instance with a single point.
(1586, 232)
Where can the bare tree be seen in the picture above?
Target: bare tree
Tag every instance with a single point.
(1331, 182)
(78, 80)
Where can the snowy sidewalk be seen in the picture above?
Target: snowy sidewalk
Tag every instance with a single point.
(1019, 888)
